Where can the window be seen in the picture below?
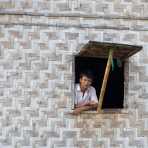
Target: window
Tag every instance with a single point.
(95, 56)
(114, 94)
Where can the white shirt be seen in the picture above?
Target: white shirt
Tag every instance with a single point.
(89, 95)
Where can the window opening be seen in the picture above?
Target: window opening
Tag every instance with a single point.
(100, 57)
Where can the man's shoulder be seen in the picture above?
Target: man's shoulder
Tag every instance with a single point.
(77, 86)
(92, 88)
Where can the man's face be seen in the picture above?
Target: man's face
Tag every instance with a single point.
(85, 82)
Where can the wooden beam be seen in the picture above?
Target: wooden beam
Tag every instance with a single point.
(104, 84)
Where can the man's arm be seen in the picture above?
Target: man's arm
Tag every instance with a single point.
(90, 105)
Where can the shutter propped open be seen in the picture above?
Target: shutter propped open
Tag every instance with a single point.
(101, 49)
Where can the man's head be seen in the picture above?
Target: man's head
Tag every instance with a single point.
(86, 79)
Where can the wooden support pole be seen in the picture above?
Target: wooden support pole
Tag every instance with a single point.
(103, 88)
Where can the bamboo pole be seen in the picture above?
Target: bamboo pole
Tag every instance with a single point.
(103, 88)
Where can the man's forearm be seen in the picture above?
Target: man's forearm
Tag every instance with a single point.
(84, 108)
(91, 103)
(78, 110)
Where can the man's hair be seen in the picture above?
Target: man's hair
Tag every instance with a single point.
(87, 73)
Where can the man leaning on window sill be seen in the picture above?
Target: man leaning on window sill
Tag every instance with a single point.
(85, 94)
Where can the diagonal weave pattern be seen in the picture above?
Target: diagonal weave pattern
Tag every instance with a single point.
(36, 76)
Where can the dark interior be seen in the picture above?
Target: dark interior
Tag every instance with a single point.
(114, 95)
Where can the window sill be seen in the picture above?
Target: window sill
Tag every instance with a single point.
(107, 111)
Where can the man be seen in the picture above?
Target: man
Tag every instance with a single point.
(85, 94)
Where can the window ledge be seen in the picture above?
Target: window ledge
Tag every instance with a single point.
(107, 111)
